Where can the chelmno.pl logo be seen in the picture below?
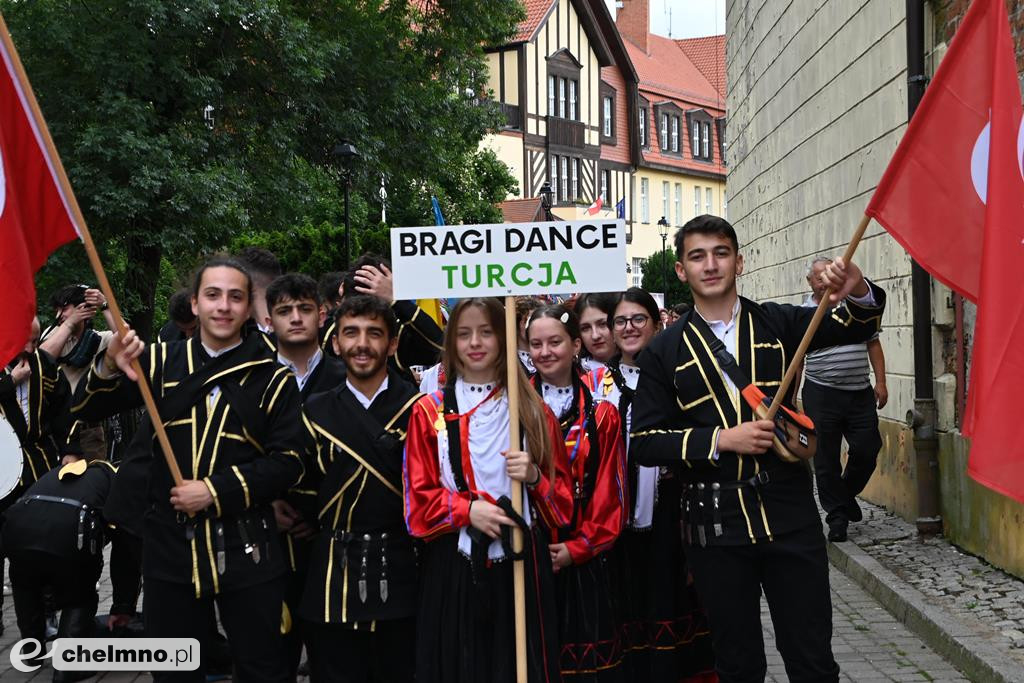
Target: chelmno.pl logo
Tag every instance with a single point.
(108, 654)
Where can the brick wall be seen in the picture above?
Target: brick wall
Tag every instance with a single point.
(949, 14)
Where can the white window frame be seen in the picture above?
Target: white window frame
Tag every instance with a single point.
(606, 177)
(696, 200)
(553, 173)
(561, 97)
(675, 133)
(664, 199)
(709, 201)
(552, 104)
(645, 203)
(574, 178)
(563, 179)
(643, 126)
(573, 87)
(695, 142)
(663, 132)
(606, 125)
(706, 140)
(638, 271)
(679, 204)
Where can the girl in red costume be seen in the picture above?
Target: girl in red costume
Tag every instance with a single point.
(458, 473)
(591, 647)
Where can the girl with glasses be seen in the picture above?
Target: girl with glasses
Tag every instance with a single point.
(591, 649)
(458, 472)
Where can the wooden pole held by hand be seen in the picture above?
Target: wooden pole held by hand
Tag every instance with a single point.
(819, 313)
(515, 443)
(90, 248)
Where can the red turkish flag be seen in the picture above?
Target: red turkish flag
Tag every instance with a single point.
(953, 196)
(35, 217)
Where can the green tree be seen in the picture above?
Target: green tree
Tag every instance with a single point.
(659, 268)
(185, 125)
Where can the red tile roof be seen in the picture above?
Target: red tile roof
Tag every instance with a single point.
(521, 210)
(666, 70)
(708, 55)
(536, 10)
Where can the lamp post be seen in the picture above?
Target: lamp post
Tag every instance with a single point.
(663, 231)
(545, 200)
(346, 154)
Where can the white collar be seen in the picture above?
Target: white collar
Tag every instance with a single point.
(311, 365)
(362, 398)
(723, 323)
(213, 354)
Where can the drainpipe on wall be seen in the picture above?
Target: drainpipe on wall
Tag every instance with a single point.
(923, 417)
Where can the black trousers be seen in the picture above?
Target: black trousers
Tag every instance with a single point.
(338, 654)
(251, 618)
(838, 414)
(73, 586)
(793, 572)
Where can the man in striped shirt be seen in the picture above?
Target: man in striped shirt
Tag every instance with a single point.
(839, 397)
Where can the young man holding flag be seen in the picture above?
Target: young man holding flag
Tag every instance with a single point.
(751, 521)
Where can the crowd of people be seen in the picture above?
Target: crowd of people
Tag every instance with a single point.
(346, 473)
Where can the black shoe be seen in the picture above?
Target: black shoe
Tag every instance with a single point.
(853, 510)
(837, 531)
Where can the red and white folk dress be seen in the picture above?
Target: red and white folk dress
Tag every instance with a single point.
(591, 646)
(466, 621)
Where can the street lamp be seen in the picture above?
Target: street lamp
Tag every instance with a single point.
(545, 200)
(346, 154)
(663, 231)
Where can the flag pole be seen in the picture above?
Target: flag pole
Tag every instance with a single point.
(515, 443)
(90, 248)
(819, 313)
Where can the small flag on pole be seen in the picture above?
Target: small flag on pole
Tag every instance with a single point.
(596, 206)
(620, 208)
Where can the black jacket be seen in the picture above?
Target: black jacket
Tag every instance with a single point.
(246, 440)
(682, 403)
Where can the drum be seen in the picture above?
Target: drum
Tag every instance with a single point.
(11, 458)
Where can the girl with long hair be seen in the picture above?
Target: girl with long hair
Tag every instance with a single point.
(591, 649)
(664, 629)
(458, 474)
(594, 311)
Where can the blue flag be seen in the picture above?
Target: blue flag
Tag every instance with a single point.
(620, 208)
(438, 218)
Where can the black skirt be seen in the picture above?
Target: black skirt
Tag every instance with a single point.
(466, 624)
(588, 627)
(664, 631)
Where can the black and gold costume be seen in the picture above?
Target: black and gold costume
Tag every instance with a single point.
(44, 434)
(359, 602)
(750, 521)
(234, 421)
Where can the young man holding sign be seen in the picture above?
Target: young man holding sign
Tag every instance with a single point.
(751, 519)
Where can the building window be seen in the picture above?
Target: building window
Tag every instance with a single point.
(561, 97)
(679, 204)
(638, 271)
(574, 182)
(664, 132)
(695, 130)
(572, 99)
(643, 127)
(553, 175)
(645, 206)
(706, 140)
(675, 133)
(664, 200)
(696, 201)
(606, 182)
(606, 124)
(551, 95)
(707, 195)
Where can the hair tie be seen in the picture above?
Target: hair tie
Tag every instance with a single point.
(564, 317)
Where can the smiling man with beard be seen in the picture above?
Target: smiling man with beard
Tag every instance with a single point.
(360, 598)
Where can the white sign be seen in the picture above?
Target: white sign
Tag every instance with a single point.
(459, 261)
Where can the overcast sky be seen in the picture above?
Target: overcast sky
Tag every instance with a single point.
(690, 18)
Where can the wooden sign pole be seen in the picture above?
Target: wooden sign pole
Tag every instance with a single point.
(515, 443)
(90, 248)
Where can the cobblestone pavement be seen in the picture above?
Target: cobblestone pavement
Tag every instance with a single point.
(977, 594)
(869, 644)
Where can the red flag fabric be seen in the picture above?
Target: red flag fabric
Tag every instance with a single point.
(35, 217)
(953, 196)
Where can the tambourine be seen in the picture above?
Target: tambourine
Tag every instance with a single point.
(11, 458)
